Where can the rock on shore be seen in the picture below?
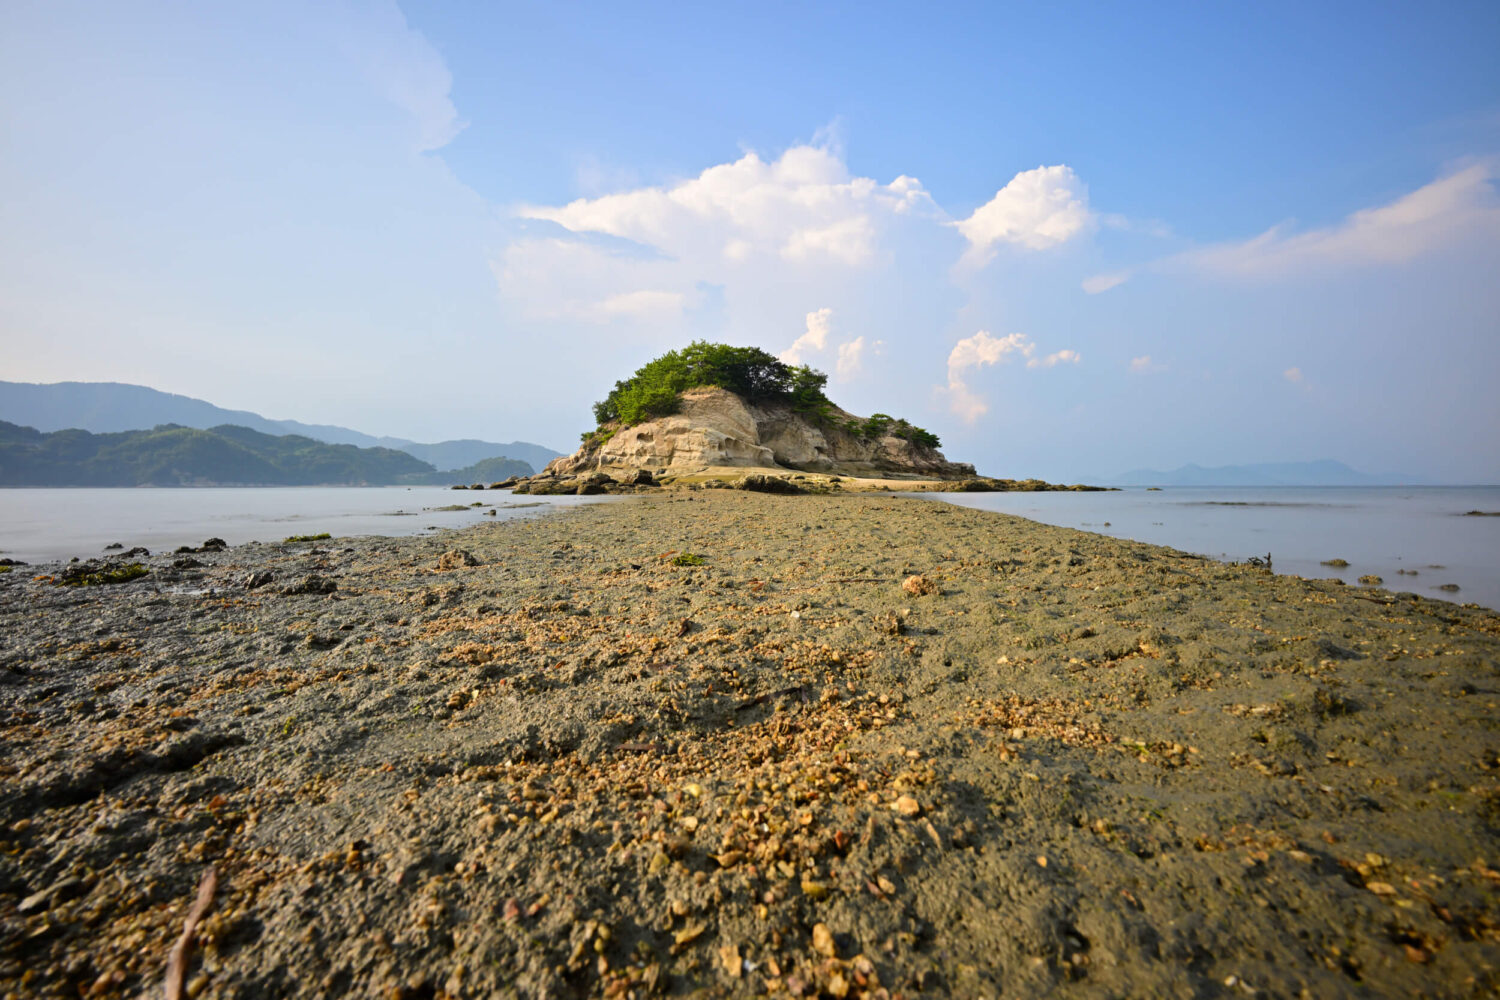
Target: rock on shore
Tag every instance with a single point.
(721, 743)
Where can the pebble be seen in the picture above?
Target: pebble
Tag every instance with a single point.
(822, 941)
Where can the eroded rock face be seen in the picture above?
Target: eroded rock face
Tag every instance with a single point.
(716, 428)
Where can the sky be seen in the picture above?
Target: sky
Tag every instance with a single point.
(1070, 239)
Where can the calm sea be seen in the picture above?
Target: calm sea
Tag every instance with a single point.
(1380, 531)
(42, 524)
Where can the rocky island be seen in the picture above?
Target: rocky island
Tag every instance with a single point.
(717, 415)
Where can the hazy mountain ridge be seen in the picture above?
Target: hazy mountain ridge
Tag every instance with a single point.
(1325, 472)
(172, 455)
(112, 407)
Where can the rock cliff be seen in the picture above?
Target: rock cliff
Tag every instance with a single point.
(715, 427)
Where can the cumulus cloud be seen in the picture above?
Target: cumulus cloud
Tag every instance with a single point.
(851, 357)
(977, 352)
(802, 206)
(1292, 375)
(814, 339)
(774, 232)
(974, 352)
(1038, 209)
(1144, 365)
(850, 241)
(982, 349)
(1439, 214)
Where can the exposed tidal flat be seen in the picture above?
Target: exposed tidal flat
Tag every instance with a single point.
(718, 741)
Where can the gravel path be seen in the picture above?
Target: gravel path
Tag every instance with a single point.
(706, 741)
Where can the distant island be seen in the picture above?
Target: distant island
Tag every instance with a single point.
(227, 455)
(1325, 472)
(110, 407)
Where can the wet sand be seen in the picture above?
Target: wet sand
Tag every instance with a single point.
(574, 763)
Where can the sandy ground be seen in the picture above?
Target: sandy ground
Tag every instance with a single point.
(575, 763)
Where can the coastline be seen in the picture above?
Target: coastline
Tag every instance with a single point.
(1083, 765)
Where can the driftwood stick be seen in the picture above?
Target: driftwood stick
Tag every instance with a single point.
(177, 962)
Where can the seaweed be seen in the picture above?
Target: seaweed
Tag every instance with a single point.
(93, 575)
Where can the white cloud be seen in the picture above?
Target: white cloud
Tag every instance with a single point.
(852, 357)
(815, 339)
(1143, 365)
(851, 241)
(1437, 214)
(1444, 213)
(982, 349)
(976, 352)
(773, 233)
(1104, 282)
(1292, 375)
(402, 64)
(1038, 209)
(801, 206)
(1065, 356)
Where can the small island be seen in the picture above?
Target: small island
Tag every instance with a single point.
(714, 415)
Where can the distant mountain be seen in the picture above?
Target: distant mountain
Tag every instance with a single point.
(108, 407)
(1322, 473)
(171, 455)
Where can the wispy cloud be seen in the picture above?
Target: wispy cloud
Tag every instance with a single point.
(1143, 365)
(1444, 213)
(1430, 217)
(1292, 375)
(1065, 356)
(404, 66)
(1104, 282)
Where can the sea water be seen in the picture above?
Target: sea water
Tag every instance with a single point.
(1416, 539)
(1380, 531)
(37, 525)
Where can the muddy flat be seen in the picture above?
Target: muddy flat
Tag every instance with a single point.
(707, 743)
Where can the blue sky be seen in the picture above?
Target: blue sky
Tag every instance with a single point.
(1071, 239)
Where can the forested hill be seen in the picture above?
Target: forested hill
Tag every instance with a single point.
(110, 407)
(227, 455)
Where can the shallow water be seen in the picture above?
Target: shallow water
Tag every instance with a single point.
(1380, 531)
(41, 524)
